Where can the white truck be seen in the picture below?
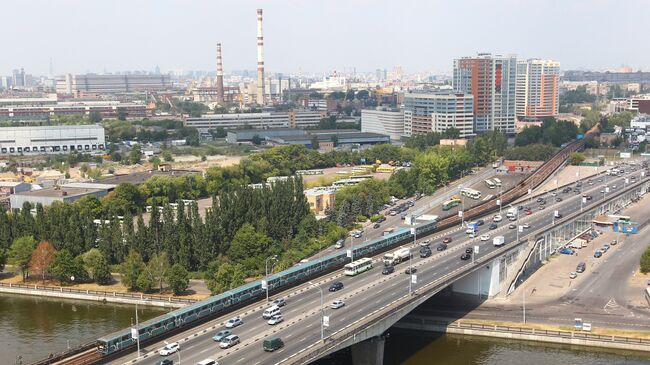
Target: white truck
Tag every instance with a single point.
(396, 257)
(498, 241)
(511, 212)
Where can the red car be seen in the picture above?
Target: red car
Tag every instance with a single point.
(446, 240)
(529, 212)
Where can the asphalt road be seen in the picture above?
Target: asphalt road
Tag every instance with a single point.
(363, 294)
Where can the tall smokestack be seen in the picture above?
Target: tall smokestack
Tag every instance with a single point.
(260, 59)
(219, 75)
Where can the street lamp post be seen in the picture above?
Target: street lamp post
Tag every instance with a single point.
(137, 325)
(266, 277)
(322, 312)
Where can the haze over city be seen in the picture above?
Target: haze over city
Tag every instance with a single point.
(311, 36)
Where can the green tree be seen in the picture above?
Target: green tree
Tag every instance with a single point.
(20, 253)
(145, 282)
(256, 140)
(94, 262)
(116, 156)
(228, 276)
(576, 158)
(135, 154)
(63, 267)
(178, 279)
(167, 156)
(157, 268)
(131, 269)
(155, 161)
(3, 259)
(95, 117)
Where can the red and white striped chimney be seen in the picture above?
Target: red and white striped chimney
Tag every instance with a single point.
(219, 75)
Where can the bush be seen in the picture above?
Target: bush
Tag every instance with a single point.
(361, 218)
(645, 261)
(375, 218)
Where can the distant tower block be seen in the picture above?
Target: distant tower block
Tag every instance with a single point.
(219, 75)
(260, 60)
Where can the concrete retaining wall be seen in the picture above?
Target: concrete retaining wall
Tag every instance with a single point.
(90, 297)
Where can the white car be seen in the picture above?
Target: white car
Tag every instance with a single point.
(497, 218)
(472, 235)
(485, 237)
(229, 341)
(234, 322)
(169, 349)
(275, 319)
(337, 304)
(526, 225)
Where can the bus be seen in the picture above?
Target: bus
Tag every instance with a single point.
(621, 218)
(497, 181)
(490, 184)
(309, 172)
(450, 204)
(388, 169)
(470, 193)
(358, 266)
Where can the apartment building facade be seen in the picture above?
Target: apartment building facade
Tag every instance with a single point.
(537, 94)
(438, 111)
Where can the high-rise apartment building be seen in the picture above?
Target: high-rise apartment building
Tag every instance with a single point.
(438, 111)
(537, 89)
(383, 120)
(492, 82)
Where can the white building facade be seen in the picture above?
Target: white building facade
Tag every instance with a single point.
(291, 119)
(383, 121)
(537, 89)
(52, 139)
(437, 112)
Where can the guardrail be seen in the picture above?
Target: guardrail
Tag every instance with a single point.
(531, 331)
(61, 289)
(65, 354)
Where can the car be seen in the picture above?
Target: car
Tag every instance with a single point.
(566, 251)
(602, 191)
(465, 256)
(541, 207)
(234, 322)
(480, 222)
(272, 343)
(526, 225)
(512, 226)
(280, 302)
(521, 207)
(493, 226)
(337, 304)
(410, 270)
(376, 225)
(472, 235)
(425, 243)
(169, 349)
(598, 253)
(425, 252)
(447, 239)
(589, 197)
(441, 247)
(381, 219)
(540, 199)
(614, 242)
(485, 237)
(469, 250)
(229, 341)
(543, 202)
(339, 244)
(573, 275)
(553, 194)
(529, 212)
(497, 218)
(605, 248)
(387, 270)
(558, 199)
(613, 187)
(164, 362)
(221, 335)
(512, 219)
(582, 266)
(600, 180)
(335, 286)
(275, 319)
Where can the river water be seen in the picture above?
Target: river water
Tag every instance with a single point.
(32, 327)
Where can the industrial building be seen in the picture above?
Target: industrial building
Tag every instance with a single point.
(537, 94)
(383, 120)
(51, 195)
(91, 84)
(247, 135)
(52, 139)
(492, 82)
(438, 111)
(328, 140)
(107, 109)
(290, 119)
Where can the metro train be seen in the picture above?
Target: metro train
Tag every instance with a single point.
(225, 302)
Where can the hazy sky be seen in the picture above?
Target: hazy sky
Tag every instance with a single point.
(318, 36)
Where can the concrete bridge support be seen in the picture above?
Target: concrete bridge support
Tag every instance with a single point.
(369, 352)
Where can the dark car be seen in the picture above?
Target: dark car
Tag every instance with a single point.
(410, 270)
(446, 240)
(469, 250)
(337, 285)
(377, 225)
(388, 270)
(493, 226)
(465, 256)
(441, 247)
(480, 222)
(164, 362)
(558, 199)
(381, 219)
(425, 252)
(589, 197)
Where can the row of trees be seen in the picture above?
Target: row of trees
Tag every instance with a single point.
(550, 132)
(423, 141)
(533, 152)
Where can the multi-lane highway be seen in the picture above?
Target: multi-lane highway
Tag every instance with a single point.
(363, 294)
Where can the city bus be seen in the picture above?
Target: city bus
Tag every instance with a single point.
(621, 218)
(358, 266)
(490, 184)
(309, 172)
(450, 204)
(497, 181)
(470, 193)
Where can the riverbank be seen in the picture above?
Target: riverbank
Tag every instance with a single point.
(535, 332)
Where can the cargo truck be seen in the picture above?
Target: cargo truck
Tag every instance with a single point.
(498, 241)
(396, 257)
(512, 212)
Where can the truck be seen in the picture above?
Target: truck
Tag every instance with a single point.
(498, 241)
(396, 257)
(511, 212)
(472, 227)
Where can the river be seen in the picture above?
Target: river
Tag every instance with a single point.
(32, 327)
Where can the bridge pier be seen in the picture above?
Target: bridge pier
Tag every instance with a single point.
(369, 352)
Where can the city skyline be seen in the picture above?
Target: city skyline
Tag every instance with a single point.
(312, 37)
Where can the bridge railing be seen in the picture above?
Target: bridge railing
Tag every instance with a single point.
(100, 293)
